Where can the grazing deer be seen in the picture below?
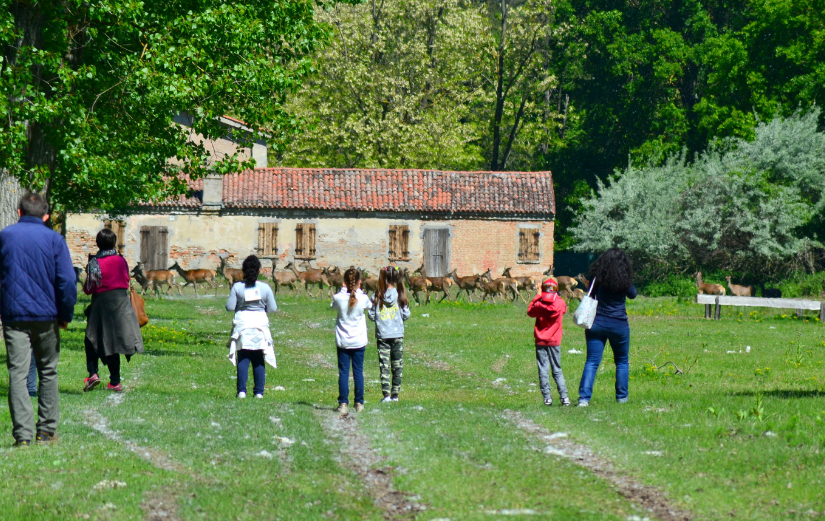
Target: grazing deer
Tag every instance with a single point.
(285, 277)
(739, 291)
(522, 283)
(311, 277)
(194, 276)
(436, 284)
(469, 285)
(232, 275)
(335, 278)
(155, 278)
(708, 289)
(770, 292)
(416, 285)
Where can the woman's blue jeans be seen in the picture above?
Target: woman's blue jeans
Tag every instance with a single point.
(597, 337)
(356, 358)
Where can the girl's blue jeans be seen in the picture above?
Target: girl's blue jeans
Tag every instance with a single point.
(256, 358)
(597, 337)
(356, 358)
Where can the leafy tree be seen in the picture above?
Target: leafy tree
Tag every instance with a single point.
(90, 90)
(742, 205)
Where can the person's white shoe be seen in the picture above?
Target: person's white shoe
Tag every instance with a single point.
(583, 404)
(241, 395)
(259, 396)
(386, 399)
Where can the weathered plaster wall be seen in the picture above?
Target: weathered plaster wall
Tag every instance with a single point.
(197, 241)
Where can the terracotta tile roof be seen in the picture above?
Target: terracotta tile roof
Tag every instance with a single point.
(193, 200)
(391, 190)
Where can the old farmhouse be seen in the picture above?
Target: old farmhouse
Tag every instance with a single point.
(470, 221)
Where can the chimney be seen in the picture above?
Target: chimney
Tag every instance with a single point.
(212, 193)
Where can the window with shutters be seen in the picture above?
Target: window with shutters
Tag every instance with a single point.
(528, 244)
(305, 241)
(267, 240)
(399, 243)
(119, 227)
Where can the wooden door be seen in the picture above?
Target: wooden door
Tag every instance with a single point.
(154, 248)
(436, 252)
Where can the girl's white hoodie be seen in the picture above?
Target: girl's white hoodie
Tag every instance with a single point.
(351, 327)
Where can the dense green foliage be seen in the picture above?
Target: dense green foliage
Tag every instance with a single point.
(749, 206)
(587, 84)
(89, 90)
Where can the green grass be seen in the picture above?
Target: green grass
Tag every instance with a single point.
(700, 436)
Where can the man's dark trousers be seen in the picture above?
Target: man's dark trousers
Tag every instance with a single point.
(23, 338)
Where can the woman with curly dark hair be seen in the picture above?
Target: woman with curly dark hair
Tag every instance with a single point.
(612, 279)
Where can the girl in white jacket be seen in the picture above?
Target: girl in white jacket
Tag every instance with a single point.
(351, 338)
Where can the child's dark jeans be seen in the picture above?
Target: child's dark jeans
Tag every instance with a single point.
(256, 358)
(356, 358)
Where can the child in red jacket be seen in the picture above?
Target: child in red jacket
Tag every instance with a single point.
(548, 308)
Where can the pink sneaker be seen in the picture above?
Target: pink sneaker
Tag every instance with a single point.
(90, 383)
(116, 388)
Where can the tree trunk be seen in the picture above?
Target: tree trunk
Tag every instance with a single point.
(10, 193)
(494, 163)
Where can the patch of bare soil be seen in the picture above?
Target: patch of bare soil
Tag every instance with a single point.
(364, 461)
(499, 364)
(649, 498)
(159, 506)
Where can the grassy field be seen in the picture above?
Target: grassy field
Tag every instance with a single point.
(738, 434)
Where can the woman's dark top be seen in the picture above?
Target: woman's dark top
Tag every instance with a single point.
(611, 310)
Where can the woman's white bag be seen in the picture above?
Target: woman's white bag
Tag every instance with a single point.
(586, 312)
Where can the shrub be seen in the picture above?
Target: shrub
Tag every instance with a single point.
(671, 286)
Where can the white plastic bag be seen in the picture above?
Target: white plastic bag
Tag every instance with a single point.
(586, 312)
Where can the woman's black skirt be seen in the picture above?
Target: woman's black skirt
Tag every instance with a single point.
(112, 326)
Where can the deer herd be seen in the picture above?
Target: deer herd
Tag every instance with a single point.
(419, 284)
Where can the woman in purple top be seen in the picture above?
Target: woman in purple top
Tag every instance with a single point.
(612, 279)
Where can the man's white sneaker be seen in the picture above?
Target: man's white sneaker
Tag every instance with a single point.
(241, 395)
(259, 396)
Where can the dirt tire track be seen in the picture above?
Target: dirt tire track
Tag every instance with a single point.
(359, 457)
(159, 506)
(647, 497)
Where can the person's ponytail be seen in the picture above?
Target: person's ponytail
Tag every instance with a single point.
(351, 279)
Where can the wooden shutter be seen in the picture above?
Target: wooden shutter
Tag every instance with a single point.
(533, 250)
(522, 244)
(119, 227)
(299, 240)
(405, 243)
(392, 250)
(267, 239)
(154, 247)
(436, 259)
(310, 240)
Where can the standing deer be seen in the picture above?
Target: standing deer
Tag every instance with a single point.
(739, 291)
(469, 285)
(522, 283)
(436, 284)
(708, 289)
(494, 289)
(155, 278)
(311, 277)
(194, 276)
(285, 277)
(566, 284)
(416, 285)
(232, 275)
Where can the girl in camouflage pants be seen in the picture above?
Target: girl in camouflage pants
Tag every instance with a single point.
(390, 310)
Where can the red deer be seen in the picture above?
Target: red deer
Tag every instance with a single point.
(232, 275)
(522, 283)
(469, 285)
(194, 276)
(585, 283)
(335, 278)
(566, 284)
(578, 294)
(311, 277)
(436, 284)
(510, 285)
(739, 291)
(416, 285)
(494, 289)
(155, 278)
(708, 289)
(285, 277)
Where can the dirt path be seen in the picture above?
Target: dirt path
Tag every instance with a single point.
(557, 444)
(359, 456)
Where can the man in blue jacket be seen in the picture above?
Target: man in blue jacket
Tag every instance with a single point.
(37, 298)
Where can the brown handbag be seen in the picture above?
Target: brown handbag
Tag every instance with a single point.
(139, 307)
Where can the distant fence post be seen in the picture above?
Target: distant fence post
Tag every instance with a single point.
(822, 311)
(718, 311)
(707, 311)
